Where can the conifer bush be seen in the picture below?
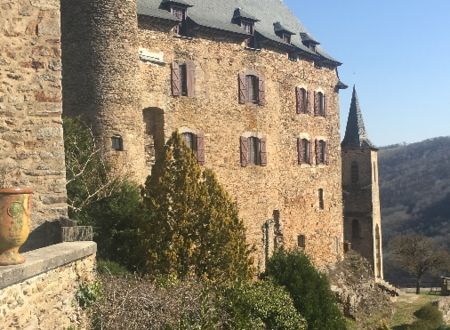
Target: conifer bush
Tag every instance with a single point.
(196, 228)
(309, 289)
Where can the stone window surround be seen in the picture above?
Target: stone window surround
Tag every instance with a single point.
(259, 136)
(243, 74)
(306, 136)
(317, 91)
(324, 139)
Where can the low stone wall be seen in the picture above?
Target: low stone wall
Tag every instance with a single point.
(40, 294)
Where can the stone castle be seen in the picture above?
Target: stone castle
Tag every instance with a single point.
(253, 94)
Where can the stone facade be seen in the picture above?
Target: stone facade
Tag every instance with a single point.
(31, 137)
(43, 294)
(279, 201)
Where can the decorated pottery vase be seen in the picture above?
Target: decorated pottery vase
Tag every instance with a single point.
(15, 211)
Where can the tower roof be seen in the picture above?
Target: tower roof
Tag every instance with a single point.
(355, 133)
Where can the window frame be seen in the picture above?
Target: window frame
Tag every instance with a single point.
(181, 14)
(117, 142)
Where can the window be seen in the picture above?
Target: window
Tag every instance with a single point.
(117, 143)
(286, 38)
(321, 152)
(321, 200)
(302, 100)
(253, 151)
(195, 142)
(252, 89)
(356, 229)
(304, 151)
(319, 104)
(301, 241)
(355, 172)
(190, 140)
(183, 79)
(248, 26)
(180, 13)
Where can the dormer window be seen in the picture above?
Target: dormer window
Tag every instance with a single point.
(247, 22)
(178, 8)
(308, 41)
(283, 32)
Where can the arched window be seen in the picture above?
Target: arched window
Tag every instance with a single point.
(321, 152)
(253, 151)
(355, 172)
(195, 142)
(356, 229)
(304, 151)
(252, 88)
(319, 104)
(302, 100)
(190, 140)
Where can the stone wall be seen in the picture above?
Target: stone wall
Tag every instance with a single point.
(282, 187)
(31, 137)
(41, 293)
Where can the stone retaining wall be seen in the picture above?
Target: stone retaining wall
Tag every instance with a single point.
(41, 293)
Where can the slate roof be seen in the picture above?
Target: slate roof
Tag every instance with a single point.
(239, 12)
(355, 133)
(218, 14)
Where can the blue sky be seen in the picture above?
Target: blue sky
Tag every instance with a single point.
(397, 52)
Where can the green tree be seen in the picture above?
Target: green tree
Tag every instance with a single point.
(196, 228)
(309, 289)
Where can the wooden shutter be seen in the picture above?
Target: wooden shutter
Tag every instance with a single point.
(201, 148)
(310, 146)
(190, 72)
(242, 88)
(300, 99)
(263, 151)
(300, 151)
(325, 153)
(176, 79)
(261, 91)
(325, 105)
(317, 152)
(244, 151)
(310, 109)
(316, 104)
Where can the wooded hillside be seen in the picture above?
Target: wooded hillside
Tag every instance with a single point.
(415, 191)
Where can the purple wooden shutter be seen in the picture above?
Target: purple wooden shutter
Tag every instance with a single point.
(300, 151)
(190, 72)
(244, 151)
(201, 148)
(262, 91)
(300, 100)
(263, 151)
(316, 104)
(176, 79)
(310, 155)
(317, 152)
(242, 88)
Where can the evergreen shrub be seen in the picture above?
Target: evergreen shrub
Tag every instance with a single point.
(309, 289)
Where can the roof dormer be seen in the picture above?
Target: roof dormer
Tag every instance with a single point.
(179, 9)
(245, 20)
(283, 32)
(308, 41)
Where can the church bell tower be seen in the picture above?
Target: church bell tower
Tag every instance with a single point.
(362, 213)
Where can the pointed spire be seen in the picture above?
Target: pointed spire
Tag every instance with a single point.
(355, 134)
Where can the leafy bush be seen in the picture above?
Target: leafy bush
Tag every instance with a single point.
(261, 306)
(119, 223)
(88, 293)
(309, 289)
(429, 318)
(196, 227)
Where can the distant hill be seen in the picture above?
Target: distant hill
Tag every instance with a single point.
(415, 191)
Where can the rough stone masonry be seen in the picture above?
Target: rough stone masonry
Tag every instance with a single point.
(31, 136)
